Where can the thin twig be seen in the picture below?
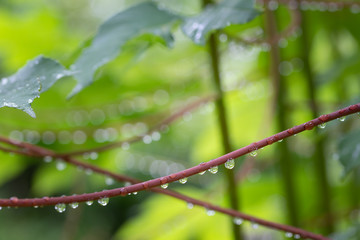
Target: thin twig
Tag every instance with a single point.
(38, 151)
(81, 198)
(157, 127)
(147, 185)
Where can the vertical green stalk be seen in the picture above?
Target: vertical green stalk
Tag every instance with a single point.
(283, 152)
(324, 204)
(223, 124)
(224, 128)
(342, 95)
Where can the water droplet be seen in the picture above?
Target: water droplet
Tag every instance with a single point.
(103, 201)
(74, 205)
(183, 180)
(16, 135)
(89, 203)
(297, 236)
(147, 139)
(202, 173)
(223, 37)
(322, 126)
(253, 153)
(280, 140)
(288, 234)
(97, 117)
(64, 137)
(273, 5)
(214, 169)
(60, 165)
(190, 205)
(60, 207)
(210, 212)
(79, 137)
(134, 193)
(109, 181)
(254, 225)
(94, 155)
(48, 159)
(230, 163)
(0, 207)
(155, 136)
(48, 137)
(125, 146)
(238, 221)
(164, 186)
(342, 119)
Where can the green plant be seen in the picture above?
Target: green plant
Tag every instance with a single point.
(128, 34)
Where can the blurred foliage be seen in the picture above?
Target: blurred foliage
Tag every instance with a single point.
(141, 88)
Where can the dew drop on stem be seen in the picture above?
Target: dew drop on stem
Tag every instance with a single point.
(254, 225)
(183, 180)
(202, 173)
(322, 126)
(74, 205)
(109, 181)
(342, 119)
(190, 205)
(253, 153)
(210, 212)
(134, 193)
(60, 165)
(164, 186)
(103, 201)
(288, 234)
(89, 203)
(230, 163)
(238, 221)
(214, 169)
(60, 207)
(297, 236)
(48, 159)
(94, 155)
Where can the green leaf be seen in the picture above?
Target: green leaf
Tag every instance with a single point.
(37, 76)
(115, 32)
(349, 151)
(219, 16)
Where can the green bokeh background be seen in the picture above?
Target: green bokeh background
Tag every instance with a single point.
(140, 89)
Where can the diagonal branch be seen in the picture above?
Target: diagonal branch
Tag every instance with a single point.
(15, 202)
(32, 150)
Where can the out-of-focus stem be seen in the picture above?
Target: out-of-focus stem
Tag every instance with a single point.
(324, 203)
(223, 125)
(283, 152)
(224, 128)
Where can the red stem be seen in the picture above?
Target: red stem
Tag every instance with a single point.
(139, 186)
(38, 151)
